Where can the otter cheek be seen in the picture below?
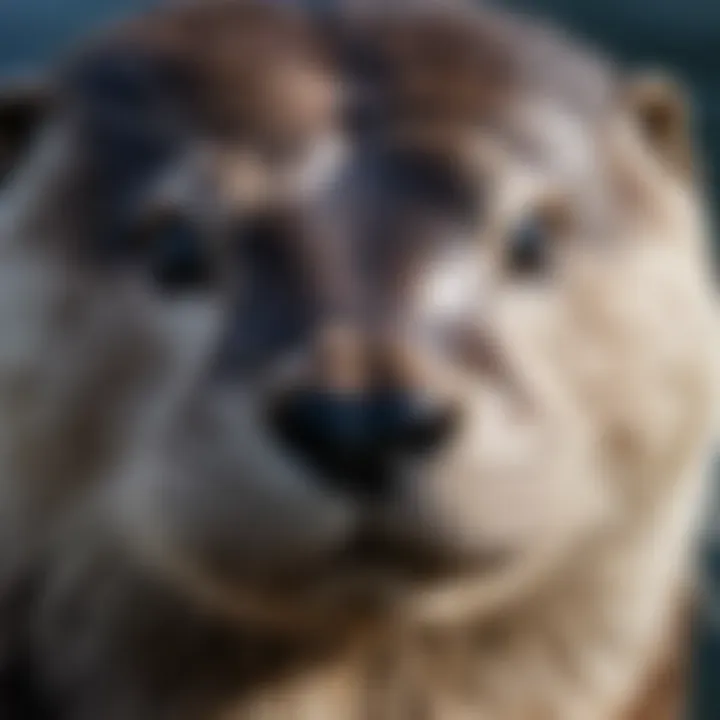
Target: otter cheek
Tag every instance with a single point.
(260, 519)
(243, 510)
(514, 482)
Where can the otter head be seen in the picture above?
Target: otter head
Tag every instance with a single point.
(416, 375)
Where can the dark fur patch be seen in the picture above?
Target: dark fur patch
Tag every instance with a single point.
(21, 107)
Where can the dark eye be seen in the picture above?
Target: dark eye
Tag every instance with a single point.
(529, 248)
(177, 257)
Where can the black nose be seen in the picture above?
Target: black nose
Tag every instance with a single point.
(354, 439)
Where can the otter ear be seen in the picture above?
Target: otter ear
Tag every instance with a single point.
(22, 107)
(660, 107)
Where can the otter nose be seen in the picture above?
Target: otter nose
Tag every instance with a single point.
(353, 427)
(353, 439)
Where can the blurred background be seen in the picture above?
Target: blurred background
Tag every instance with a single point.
(680, 35)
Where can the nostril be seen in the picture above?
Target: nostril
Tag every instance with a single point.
(322, 418)
(412, 423)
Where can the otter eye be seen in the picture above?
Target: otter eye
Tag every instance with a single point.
(529, 248)
(177, 259)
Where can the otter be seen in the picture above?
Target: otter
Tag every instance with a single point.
(350, 369)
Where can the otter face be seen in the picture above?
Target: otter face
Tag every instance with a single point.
(447, 357)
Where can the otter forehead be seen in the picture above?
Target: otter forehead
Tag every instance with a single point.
(264, 83)
(450, 68)
(246, 72)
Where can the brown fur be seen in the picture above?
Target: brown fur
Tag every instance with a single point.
(223, 45)
(665, 696)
